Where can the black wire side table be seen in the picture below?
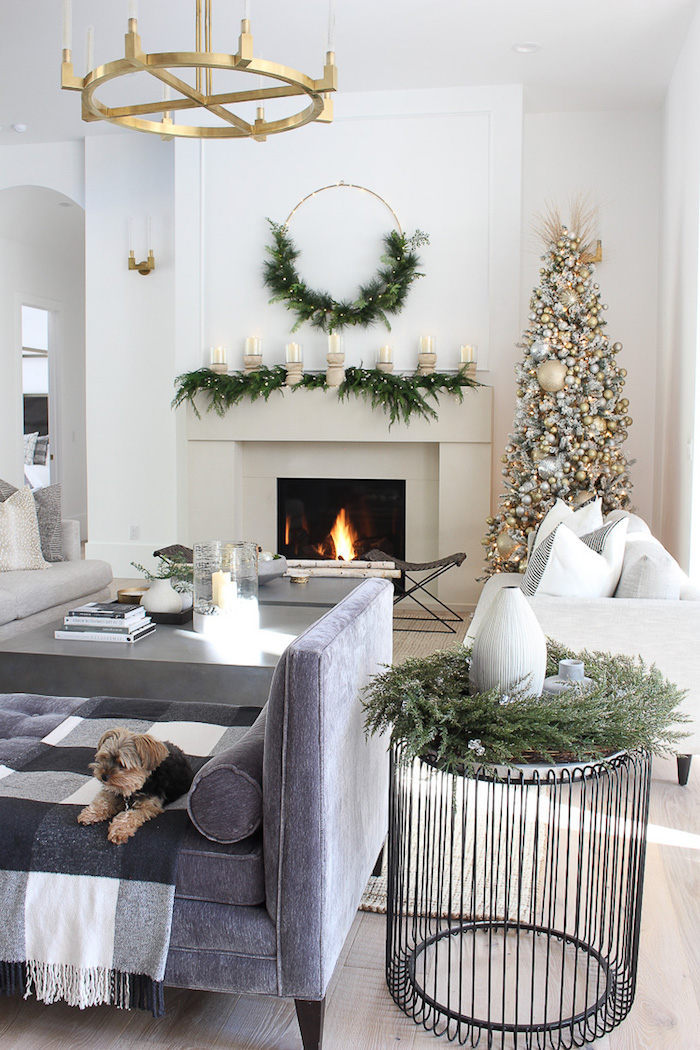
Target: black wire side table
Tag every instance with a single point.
(514, 899)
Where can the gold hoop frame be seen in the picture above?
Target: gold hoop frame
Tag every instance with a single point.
(349, 186)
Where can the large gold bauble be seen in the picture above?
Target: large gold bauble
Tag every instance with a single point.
(581, 476)
(506, 544)
(551, 375)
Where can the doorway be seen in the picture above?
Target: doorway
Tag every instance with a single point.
(38, 407)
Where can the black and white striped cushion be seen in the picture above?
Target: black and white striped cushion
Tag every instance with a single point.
(570, 566)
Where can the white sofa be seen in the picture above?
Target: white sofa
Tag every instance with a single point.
(663, 631)
(32, 597)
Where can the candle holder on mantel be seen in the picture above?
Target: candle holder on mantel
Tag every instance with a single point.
(426, 356)
(468, 368)
(335, 359)
(384, 360)
(252, 357)
(467, 365)
(293, 364)
(426, 363)
(218, 360)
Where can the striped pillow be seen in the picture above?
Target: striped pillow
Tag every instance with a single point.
(566, 565)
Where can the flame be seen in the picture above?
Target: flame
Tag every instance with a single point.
(287, 530)
(343, 536)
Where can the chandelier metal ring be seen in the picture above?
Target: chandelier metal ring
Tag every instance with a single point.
(163, 67)
(349, 186)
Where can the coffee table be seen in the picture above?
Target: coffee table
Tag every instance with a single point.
(174, 663)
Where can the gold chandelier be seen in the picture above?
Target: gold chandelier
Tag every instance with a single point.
(182, 97)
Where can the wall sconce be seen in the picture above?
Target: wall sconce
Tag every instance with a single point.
(148, 264)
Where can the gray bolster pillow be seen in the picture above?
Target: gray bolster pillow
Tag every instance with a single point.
(225, 800)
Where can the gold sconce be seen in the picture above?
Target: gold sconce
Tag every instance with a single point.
(148, 264)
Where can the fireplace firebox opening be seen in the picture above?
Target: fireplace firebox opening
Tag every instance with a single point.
(342, 518)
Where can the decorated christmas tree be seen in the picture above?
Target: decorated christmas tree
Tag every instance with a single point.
(571, 416)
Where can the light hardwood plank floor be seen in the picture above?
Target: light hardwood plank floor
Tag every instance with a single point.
(360, 1013)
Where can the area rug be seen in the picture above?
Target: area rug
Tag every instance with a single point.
(473, 850)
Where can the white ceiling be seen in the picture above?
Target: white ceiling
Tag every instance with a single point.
(596, 54)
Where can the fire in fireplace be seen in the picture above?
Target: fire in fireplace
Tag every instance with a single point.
(340, 518)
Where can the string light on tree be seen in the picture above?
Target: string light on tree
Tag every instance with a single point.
(571, 415)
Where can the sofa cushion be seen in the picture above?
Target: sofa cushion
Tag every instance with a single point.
(648, 570)
(565, 565)
(63, 582)
(221, 872)
(48, 513)
(8, 606)
(20, 545)
(635, 524)
(225, 800)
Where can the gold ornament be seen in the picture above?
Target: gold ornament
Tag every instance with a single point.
(581, 476)
(506, 544)
(551, 375)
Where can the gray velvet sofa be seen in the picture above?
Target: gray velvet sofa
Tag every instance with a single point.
(269, 913)
(32, 597)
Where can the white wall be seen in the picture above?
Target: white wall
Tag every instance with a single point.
(448, 163)
(612, 158)
(50, 274)
(678, 377)
(130, 349)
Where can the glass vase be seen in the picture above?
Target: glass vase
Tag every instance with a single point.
(226, 588)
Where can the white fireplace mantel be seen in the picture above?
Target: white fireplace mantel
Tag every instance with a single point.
(234, 462)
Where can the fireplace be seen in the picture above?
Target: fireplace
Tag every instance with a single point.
(321, 518)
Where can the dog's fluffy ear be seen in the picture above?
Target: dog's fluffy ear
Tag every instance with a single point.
(150, 751)
(116, 734)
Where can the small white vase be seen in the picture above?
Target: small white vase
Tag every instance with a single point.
(162, 598)
(510, 649)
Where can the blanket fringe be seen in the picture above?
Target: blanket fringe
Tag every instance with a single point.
(83, 986)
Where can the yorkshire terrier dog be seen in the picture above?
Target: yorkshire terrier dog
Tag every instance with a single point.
(141, 775)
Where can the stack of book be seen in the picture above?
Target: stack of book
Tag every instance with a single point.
(106, 622)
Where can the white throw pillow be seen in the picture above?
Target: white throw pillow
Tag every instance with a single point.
(20, 544)
(567, 566)
(648, 570)
(581, 521)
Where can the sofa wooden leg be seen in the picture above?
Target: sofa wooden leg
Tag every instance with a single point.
(683, 763)
(310, 1014)
(377, 869)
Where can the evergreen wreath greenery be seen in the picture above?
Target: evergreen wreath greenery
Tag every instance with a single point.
(384, 294)
(426, 704)
(401, 396)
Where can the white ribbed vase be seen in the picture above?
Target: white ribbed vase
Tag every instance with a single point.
(509, 648)
(161, 597)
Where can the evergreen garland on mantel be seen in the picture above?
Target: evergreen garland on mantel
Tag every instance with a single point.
(401, 396)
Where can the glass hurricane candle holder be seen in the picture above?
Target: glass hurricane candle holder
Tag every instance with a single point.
(225, 588)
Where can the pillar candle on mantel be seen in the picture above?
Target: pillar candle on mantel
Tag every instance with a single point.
(385, 354)
(427, 344)
(253, 345)
(466, 354)
(335, 343)
(218, 355)
(293, 352)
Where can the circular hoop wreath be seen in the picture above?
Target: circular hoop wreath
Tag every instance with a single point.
(384, 294)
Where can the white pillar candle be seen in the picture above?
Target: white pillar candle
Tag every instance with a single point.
(385, 354)
(334, 346)
(89, 49)
(466, 354)
(427, 344)
(218, 355)
(252, 345)
(220, 581)
(67, 24)
(293, 352)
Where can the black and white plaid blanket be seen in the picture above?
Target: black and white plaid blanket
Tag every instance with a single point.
(84, 920)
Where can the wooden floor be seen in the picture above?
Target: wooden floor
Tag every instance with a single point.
(360, 1014)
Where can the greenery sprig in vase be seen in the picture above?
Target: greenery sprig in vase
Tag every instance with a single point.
(175, 568)
(426, 705)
